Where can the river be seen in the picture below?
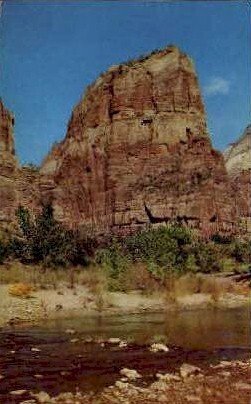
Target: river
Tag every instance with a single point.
(47, 358)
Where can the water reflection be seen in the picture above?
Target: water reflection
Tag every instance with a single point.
(197, 329)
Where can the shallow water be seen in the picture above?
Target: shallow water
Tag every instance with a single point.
(194, 329)
(200, 337)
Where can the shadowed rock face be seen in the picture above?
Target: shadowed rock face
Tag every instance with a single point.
(8, 164)
(17, 185)
(238, 163)
(137, 151)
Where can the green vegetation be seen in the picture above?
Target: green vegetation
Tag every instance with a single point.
(42, 240)
(145, 260)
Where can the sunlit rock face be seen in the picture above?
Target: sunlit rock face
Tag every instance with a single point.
(137, 151)
(238, 163)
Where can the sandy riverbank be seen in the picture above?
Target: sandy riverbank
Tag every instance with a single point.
(65, 302)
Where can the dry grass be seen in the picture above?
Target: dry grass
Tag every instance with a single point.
(23, 290)
(95, 280)
(42, 278)
(35, 275)
(138, 277)
(216, 287)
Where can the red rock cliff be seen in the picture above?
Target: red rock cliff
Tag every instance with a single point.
(17, 185)
(137, 151)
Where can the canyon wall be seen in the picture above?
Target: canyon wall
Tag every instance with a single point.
(18, 185)
(238, 163)
(137, 151)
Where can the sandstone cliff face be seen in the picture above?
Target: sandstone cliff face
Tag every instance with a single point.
(17, 185)
(238, 155)
(137, 151)
(8, 165)
(238, 163)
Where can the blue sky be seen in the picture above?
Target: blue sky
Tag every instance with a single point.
(51, 50)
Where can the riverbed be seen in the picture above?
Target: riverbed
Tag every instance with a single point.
(68, 354)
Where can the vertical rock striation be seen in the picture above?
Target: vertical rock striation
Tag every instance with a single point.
(8, 165)
(137, 151)
(17, 185)
(238, 163)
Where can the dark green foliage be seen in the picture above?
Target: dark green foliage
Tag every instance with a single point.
(206, 256)
(44, 240)
(113, 258)
(241, 251)
(165, 246)
(220, 239)
(163, 250)
(4, 251)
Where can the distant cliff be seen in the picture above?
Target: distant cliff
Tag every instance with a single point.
(238, 163)
(137, 152)
(238, 154)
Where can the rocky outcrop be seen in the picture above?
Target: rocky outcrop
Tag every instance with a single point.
(137, 151)
(238, 155)
(238, 162)
(17, 185)
(8, 165)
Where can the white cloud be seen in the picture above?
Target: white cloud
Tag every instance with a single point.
(217, 85)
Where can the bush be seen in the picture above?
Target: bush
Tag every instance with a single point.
(44, 240)
(114, 261)
(206, 256)
(241, 251)
(164, 246)
(4, 252)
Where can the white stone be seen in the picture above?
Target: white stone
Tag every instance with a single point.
(156, 347)
(187, 370)
(131, 374)
(114, 340)
(18, 392)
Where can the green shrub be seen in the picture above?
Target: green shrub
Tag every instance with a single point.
(4, 251)
(113, 259)
(43, 240)
(241, 251)
(207, 257)
(163, 246)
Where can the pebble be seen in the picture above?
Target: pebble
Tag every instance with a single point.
(223, 364)
(18, 392)
(123, 344)
(64, 373)
(74, 340)
(35, 350)
(122, 385)
(131, 374)
(39, 376)
(70, 331)
(114, 340)
(42, 397)
(168, 377)
(159, 348)
(187, 370)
